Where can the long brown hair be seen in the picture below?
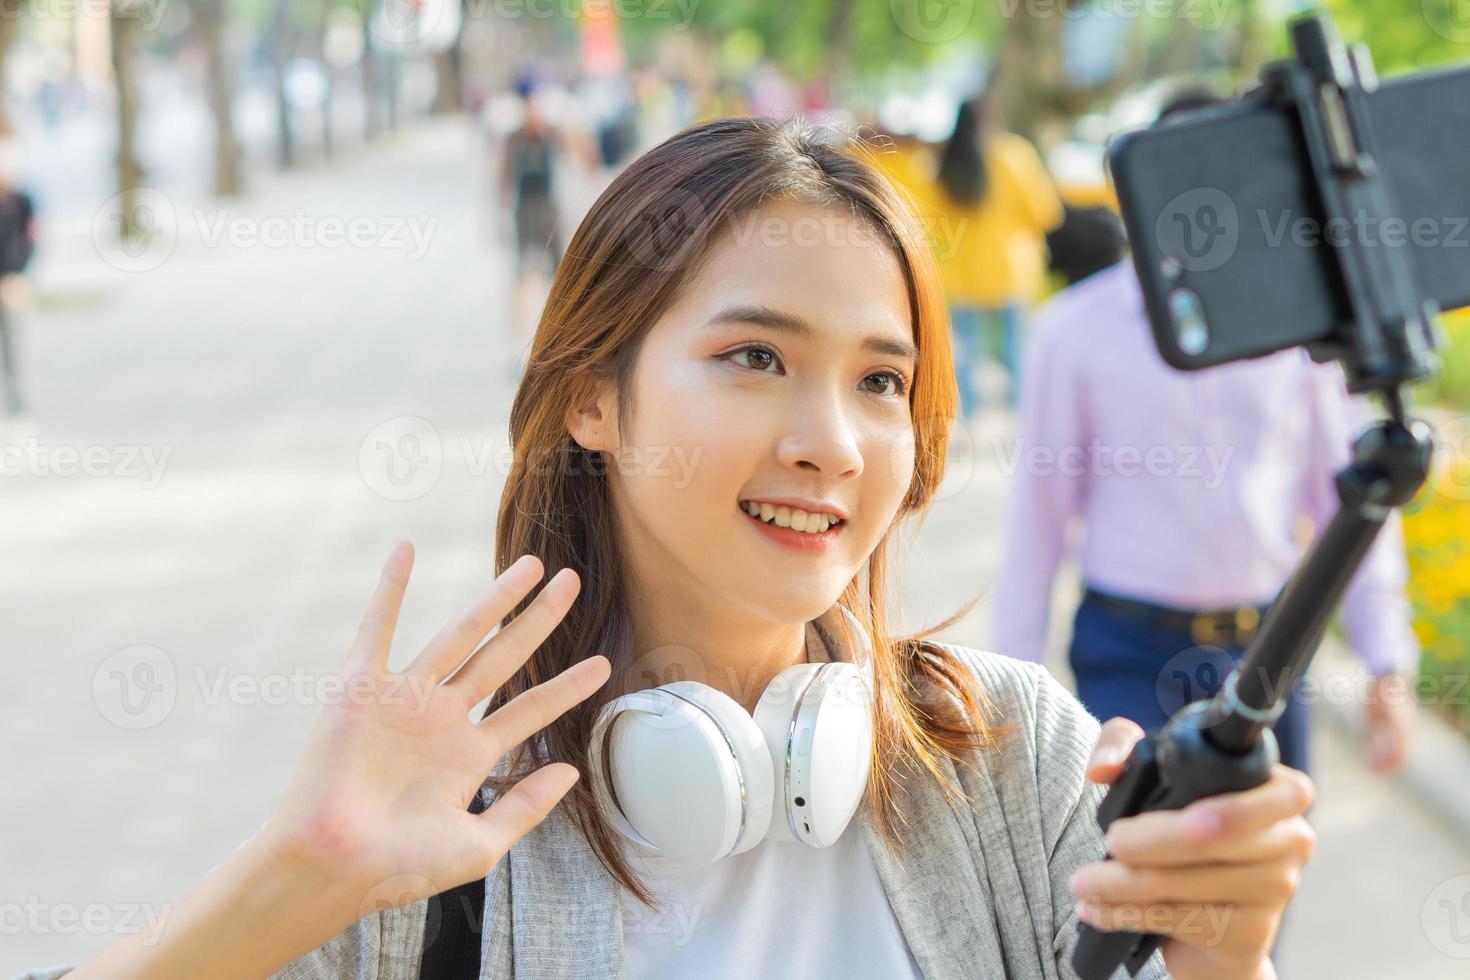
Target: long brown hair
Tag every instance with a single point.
(639, 244)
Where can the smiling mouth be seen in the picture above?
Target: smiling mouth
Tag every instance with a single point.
(791, 519)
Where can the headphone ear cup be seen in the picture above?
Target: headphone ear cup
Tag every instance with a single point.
(816, 719)
(752, 757)
(695, 780)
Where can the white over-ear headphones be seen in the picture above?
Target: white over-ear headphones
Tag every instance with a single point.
(693, 777)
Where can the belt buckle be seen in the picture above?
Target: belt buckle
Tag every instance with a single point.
(1215, 629)
(1206, 630)
(1247, 618)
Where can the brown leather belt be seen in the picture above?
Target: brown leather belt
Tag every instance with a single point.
(1227, 627)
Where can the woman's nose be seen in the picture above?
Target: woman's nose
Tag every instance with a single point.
(821, 437)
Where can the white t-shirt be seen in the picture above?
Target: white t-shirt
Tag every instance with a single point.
(778, 910)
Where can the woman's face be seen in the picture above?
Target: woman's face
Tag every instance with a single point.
(780, 376)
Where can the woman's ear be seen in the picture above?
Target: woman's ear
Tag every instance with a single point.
(591, 421)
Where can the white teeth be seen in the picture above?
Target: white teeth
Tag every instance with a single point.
(789, 517)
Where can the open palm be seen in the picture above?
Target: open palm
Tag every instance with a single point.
(377, 807)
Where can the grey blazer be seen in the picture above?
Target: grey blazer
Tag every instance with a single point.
(981, 896)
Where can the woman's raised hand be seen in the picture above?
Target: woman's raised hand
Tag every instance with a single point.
(376, 815)
(377, 808)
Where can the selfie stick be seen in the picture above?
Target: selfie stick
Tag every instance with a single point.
(1225, 744)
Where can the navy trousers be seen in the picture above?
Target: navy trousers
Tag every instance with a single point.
(1127, 666)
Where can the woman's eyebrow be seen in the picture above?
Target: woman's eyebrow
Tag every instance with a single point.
(764, 316)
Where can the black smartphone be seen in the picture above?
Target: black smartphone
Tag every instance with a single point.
(1226, 226)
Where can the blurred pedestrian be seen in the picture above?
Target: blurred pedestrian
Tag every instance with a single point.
(17, 244)
(534, 156)
(990, 203)
(1088, 240)
(528, 173)
(1190, 489)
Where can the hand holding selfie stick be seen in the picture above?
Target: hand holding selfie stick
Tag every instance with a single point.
(1225, 744)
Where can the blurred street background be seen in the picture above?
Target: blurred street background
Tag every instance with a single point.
(279, 296)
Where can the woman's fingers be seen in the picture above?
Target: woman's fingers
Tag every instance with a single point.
(1115, 883)
(375, 634)
(517, 812)
(1232, 827)
(449, 648)
(1114, 743)
(534, 709)
(502, 654)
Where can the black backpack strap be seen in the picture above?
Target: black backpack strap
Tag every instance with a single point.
(452, 928)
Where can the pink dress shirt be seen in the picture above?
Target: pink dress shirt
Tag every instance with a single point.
(1188, 489)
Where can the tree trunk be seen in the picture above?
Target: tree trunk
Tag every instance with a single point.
(214, 29)
(1036, 97)
(372, 122)
(1030, 70)
(449, 69)
(329, 73)
(1253, 46)
(9, 27)
(123, 24)
(392, 70)
(281, 50)
(840, 33)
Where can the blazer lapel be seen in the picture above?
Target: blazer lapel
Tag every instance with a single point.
(939, 892)
(565, 912)
(937, 884)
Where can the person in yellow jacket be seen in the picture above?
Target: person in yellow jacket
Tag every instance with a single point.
(988, 204)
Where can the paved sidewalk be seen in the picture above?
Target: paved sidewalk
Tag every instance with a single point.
(276, 389)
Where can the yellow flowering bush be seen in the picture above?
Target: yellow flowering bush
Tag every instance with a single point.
(1451, 388)
(1437, 536)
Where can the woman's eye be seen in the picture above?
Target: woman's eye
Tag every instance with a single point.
(900, 386)
(764, 358)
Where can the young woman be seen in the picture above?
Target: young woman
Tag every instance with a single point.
(747, 331)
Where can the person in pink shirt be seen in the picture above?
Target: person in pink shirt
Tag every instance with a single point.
(1190, 491)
